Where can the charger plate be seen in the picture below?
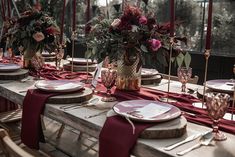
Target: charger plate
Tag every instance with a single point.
(220, 85)
(148, 72)
(81, 61)
(147, 110)
(59, 85)
(9, 67)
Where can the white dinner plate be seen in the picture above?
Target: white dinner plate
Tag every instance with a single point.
(220, 85)
(147, 110)
(81, 61)
(148, 72)
(8, 67)
(59, 85)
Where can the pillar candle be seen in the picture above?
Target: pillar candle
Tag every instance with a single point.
(62, 23)
(172, 18)
(9, 8)
(88, 11)
(209, 23)
(74, 15)
(3, 10)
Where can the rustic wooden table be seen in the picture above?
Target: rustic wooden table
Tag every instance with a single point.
(15, 91)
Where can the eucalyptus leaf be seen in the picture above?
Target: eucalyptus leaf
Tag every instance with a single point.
(187, 59)
(180, 59)
(144, 48)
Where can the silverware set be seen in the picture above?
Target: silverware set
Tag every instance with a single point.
(91, 102)
(205, 139)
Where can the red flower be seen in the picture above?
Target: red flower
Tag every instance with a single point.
(155, 44)
(52, 30)
(39, 36)
(143, 20)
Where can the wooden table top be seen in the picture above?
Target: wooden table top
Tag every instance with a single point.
(15, 91)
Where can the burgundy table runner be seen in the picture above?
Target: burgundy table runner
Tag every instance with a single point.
(7, 105)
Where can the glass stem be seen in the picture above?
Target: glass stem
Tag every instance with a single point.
(215, 126)
(183, 87)
(108, 92)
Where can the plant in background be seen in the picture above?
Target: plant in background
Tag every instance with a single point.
(34, 31)
(133, 34)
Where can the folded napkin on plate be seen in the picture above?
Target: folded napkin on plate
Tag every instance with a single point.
(116, 138)
(33, 107)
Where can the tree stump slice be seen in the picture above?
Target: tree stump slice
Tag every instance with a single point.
(169, 129)
(151, 80)
(49, 58)
(76, 97)
(15, 75)
(76, 68)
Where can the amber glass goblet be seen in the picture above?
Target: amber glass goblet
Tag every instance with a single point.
(108, 78)
(184, 74)
(217, 104)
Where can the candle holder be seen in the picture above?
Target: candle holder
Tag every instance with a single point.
(233, 104)
(74, 34)
(166, 99)
(207, 55)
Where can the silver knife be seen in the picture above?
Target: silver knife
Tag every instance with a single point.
(188, 139)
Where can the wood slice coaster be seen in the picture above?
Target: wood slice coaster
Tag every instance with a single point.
(75, 97)
(76, 68)
(170, 129)
(151, 80)
(49, 59)
(15, 75)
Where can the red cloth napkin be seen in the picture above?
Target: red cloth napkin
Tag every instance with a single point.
(33, 106)
(117, 138)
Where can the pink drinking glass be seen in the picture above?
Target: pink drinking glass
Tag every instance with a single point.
(184, 74)
(108, 78)
(217, 104)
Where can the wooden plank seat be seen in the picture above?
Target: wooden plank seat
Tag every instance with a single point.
(11, 116)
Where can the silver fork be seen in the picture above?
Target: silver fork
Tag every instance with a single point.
(97, 114)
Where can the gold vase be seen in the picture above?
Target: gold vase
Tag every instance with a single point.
(129, 73)
(32, 60)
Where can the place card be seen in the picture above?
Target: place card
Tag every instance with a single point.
(96, 75)
(152, 110)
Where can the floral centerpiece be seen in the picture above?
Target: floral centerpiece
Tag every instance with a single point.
(33, 32)
(134, 39)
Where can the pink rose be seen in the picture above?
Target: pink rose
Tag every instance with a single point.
(143, 20)
(39, 36)
(155, 44)
(116, 23)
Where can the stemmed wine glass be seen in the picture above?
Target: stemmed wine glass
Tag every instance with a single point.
(108, 78)
(184, 74)
(217, 104)
(59, 56)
